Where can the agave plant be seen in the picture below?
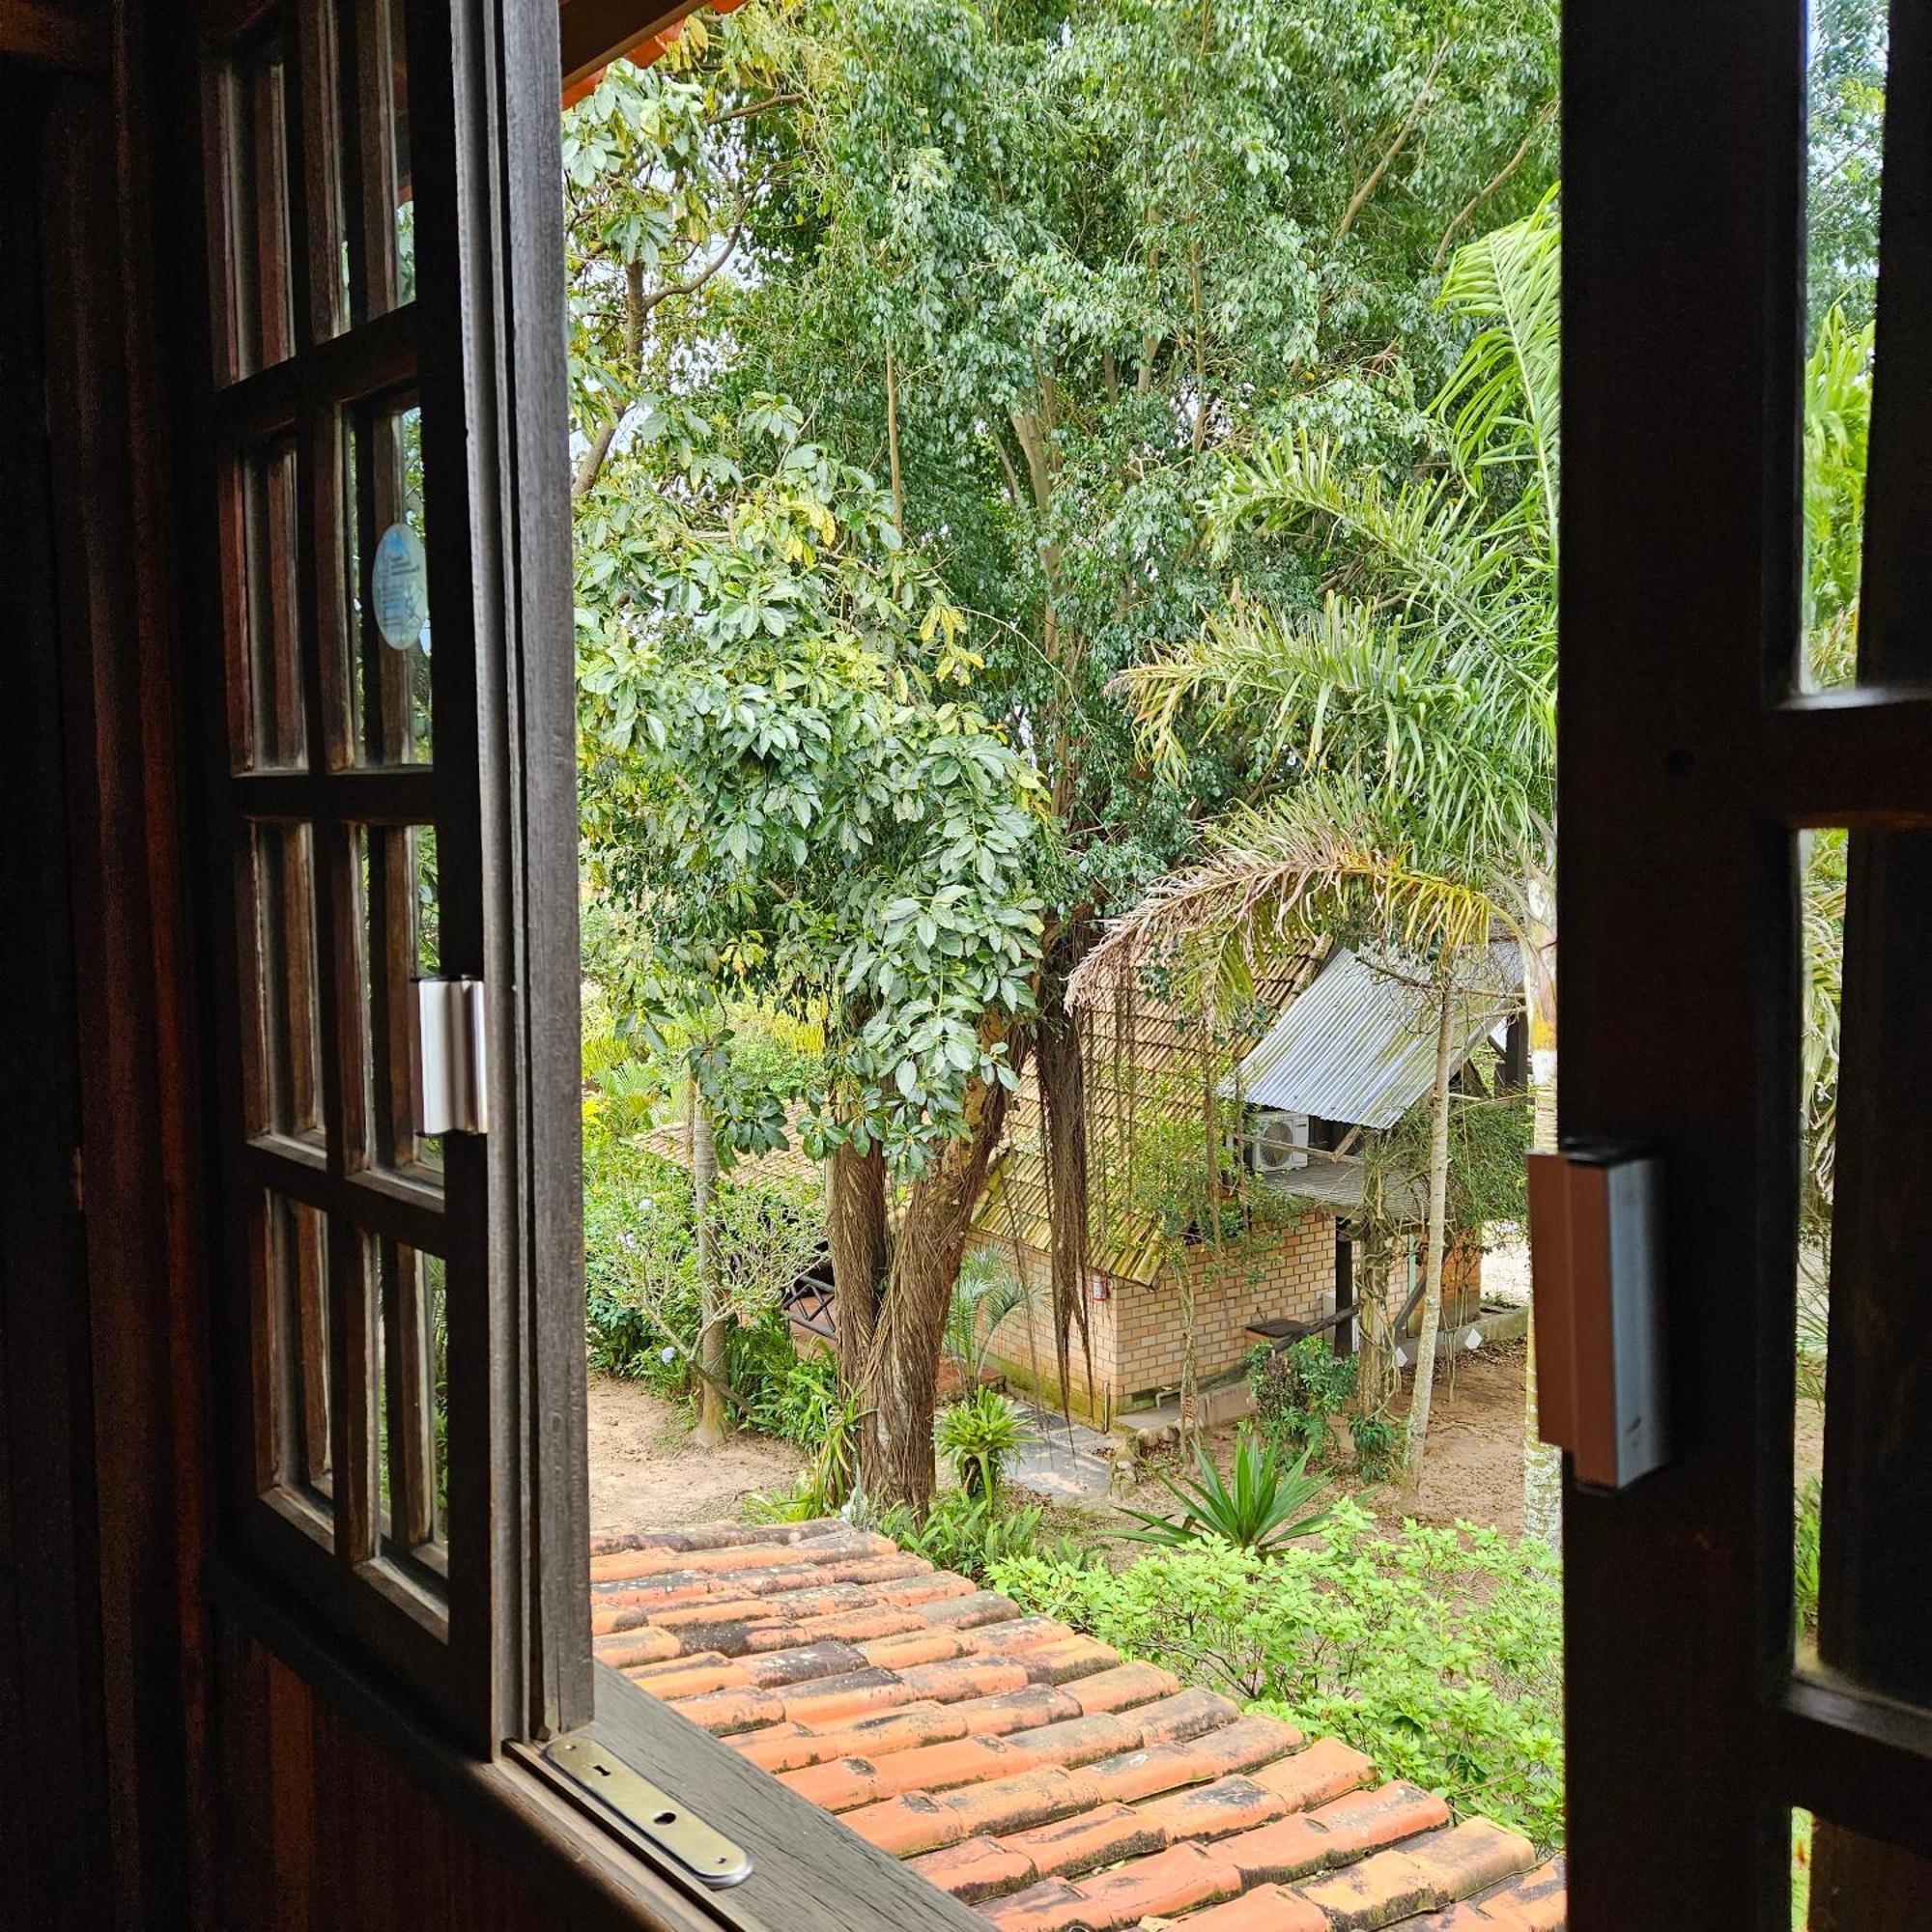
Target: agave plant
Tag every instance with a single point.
(1265, 1507)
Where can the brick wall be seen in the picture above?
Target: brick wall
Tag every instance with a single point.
(1136, 1331)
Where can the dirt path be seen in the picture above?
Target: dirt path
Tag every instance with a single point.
(647, 1473)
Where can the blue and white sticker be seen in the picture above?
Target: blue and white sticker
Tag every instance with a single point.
(399, 589)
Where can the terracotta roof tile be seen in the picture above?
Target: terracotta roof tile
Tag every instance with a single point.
(1025, 1768)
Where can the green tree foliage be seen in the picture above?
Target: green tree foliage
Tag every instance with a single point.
(784, 780)
(1845, 106)
(1040, 272)
(1437, 1652)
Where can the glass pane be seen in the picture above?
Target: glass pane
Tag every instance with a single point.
(299, 1264)
(1822, 872)
(399, 892)
(258, 242)
(271, 727)
(415, 1406)
(285, 1047)
(390, 680)
(388, 276)
(1846, 111)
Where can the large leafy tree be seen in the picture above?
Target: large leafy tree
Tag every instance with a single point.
(787, 784)
(1049, 266)
(1040, 271)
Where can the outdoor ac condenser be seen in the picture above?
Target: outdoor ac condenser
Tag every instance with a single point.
(1277, 1142)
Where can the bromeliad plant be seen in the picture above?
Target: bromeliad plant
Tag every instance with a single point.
(978, 1434)
(1265, 1508)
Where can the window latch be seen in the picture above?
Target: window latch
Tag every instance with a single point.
(613, 1789)
(450, 1053)
(1595, 1239)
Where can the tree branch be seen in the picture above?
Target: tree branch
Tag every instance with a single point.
(591, 462)
(1495, 181)
(752, 108)
(1358, 200)
(699, 280)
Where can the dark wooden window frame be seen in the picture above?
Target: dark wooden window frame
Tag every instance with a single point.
(1691, 761)
(489, 277)
(490, 1633)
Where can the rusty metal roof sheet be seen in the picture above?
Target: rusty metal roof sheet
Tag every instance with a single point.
(1358, 1045)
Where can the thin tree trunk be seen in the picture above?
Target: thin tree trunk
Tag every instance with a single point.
(901, 1371)
(1063, 1089)
(854, 1224)
(714, 1418)
(1438, 1214)
(1542, 1465)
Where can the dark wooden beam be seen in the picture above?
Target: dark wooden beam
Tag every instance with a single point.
(595, 32)
(53, 37)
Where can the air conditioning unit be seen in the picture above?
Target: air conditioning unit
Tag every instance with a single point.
(1277, 1142)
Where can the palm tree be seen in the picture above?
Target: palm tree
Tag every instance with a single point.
(1429, 674)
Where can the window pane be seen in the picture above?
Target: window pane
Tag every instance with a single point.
(399, 884)
(390, 680)
(415, 1432)
(298, 1314)
(285, 1044)
(388, 272)
(1845, 106)
(258, 255)
(273, 734)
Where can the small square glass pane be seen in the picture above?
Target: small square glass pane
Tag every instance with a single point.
(399, 894)
(415, 1400)
(298, 1335)
(267, 722)
(387, 270)
(258, 254)
(283, 1048)
(389, 638)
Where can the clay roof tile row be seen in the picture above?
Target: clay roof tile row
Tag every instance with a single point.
(1025, 1768)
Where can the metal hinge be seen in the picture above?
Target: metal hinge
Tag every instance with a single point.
(451, 1061)
(1596, 1238)
(615, 1791)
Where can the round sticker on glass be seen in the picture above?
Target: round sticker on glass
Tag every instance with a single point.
(400, 589)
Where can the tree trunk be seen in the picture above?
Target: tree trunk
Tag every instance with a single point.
(1063, 1089)
(901, 1369)
(855, 1225)
(1439, 1216)
(1542, 1465)
(714, 1418)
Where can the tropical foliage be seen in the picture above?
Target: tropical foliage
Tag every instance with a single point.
(1261, 1507)
(1437, 1652)
(1040, 276)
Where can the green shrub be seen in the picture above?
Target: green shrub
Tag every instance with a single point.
(1806, 1527)
(1439, 1652)
(1263, 1510)
(963, 1533)
(1373, 1438)
(1297, 1389)
(977, 1434)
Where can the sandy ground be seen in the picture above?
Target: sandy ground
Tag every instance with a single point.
(646, 1473)
(1473, 1468)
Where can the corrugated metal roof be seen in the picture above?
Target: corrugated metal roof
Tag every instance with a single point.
(1358, 1045)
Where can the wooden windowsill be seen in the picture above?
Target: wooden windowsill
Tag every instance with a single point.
(809, 1873)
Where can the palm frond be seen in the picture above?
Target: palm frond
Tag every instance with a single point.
(1327, 858)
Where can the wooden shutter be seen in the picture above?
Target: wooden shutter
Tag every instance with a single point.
(393, 799)
(1691, 761)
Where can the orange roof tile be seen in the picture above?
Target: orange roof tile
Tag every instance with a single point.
(1026, 1769)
